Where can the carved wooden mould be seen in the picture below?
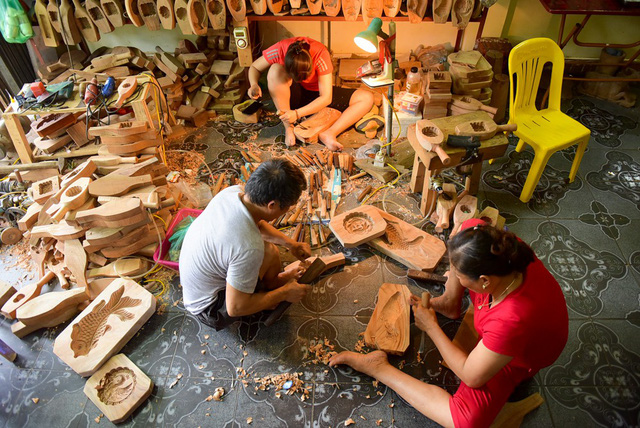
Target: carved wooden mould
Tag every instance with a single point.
(461, 12)
(274, 6)
(149, 14)
(308, 130)
(166, 14)
(50, 36)
(42, 190)
(131, 6)
(441, 10)
(114, 11)
(85, 24)
(118, 388)
(332, 7)
(198, 18)
(94, 9)
(351, 9)
(371, 9)
(237, 9)
(6, 291)
(416, 10)
(389, 328)
(465, 209)
(182, 15)
(105, 326)
(392, 7)
(358, 226)
(409, 245)
(217, 12)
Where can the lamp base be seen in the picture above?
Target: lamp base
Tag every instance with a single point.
(383, 79)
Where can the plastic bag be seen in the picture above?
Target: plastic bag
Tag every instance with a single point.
(15, 26)
(177, 238)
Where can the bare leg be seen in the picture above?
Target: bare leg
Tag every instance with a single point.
(450, 303)
(360, 103)
(430, 400)
(280, 89)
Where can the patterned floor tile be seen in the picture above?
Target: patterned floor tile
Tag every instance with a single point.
(616, 184)
(584, 270)
(12, 381)
(620, 297)
(49, 397)
(335, 404)
(153, 347)
(27, 348)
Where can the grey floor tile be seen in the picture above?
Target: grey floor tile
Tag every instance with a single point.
(365, 404)
(627, 241)
(620, 298)
(619, 340)
(12, 380)
(27, 348)
(265, 409)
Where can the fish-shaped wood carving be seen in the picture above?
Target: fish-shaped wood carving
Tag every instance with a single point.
(86, 334)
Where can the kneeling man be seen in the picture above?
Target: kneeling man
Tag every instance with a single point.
(229, 263)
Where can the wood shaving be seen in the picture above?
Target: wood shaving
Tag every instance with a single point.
(321, 351)
(277, 382)
(100, 416)
(249, 420)
(204, 351)
(218, 394)
(363, 418)
(401, 365)
(206, 337)
(349, 422)
(35, 400)
(379, 422)
(175, 382)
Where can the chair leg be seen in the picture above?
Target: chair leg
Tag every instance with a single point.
(536, 170)
(582, 146)
(520, 145)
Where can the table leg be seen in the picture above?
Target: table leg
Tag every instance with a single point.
(417, 176)
(429, 196)
(18, 137)
(474, 181)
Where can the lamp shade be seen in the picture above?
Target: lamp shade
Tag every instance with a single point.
(367, 40)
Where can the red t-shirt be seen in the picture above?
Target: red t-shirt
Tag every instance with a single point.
(531, 325)
(319, 55)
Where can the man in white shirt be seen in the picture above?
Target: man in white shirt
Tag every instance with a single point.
(229, 263)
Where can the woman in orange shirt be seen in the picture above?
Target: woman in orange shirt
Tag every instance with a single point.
(300, 84)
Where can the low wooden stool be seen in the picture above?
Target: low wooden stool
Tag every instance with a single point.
(427, 165)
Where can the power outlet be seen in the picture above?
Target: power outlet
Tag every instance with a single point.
(242, 37)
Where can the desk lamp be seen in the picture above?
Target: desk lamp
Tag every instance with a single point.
(367, 40)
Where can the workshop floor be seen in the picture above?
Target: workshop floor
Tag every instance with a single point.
(585, 232)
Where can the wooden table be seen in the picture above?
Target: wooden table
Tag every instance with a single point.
(74, 104)
(427, 165)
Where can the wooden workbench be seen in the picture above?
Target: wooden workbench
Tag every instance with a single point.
(74, 104)
(427, 164)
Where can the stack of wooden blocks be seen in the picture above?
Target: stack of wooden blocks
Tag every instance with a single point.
(471, 74)
(57, 130)
(437, 94)
(128, 138)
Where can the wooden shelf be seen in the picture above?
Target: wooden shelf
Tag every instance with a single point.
(266, 17)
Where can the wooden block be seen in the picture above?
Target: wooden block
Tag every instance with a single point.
(221, 67)
(25, 294)
(111, 212)
(308, 130)
(490, 215)
(50, 145)
(30, 218)
(73, 197)
(95, 335)
(78, 134)
(201, 100)
(132, 149)
(127, 139)
(191, 60)
(114, 185)
(37, 311)
(42, 190)
(389, 328)
(6, 291)
(120, 129)
(118, 388)
(149, 237)
(123, 267)
(358, 226)
(409, 245)
(61, 231)
(75, 258)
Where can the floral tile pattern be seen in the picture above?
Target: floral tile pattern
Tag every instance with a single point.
(585, 233)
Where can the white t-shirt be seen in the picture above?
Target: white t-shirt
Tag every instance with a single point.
(223, 245)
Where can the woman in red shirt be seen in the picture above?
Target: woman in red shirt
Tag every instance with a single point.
(300, 84)
(519, 313)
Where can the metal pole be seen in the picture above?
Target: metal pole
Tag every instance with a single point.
(392, 51)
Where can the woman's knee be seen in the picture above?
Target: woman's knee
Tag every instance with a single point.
(277, 75)
(362, 96)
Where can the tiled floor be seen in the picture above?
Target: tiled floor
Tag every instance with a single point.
(585, 232)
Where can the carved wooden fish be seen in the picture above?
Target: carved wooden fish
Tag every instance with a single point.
(86, 333)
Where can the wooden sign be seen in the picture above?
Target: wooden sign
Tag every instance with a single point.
(105, 326)
(409, 245)
(118, 388)
(389, 328)
(218, 12)
(358, 226)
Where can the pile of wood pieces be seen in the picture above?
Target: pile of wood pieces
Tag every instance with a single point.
(127, 138)
(437, 94)
(203, 75)
(452, 210)
(80, 227)
(472, 75)
(59, 129)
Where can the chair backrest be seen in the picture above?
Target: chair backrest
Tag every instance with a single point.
(526, 63)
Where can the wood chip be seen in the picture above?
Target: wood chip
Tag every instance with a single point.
(249, 420)
(349, 422)
(218, 394)
(379, 422)
(35, 400)
(175, 382)
(206, 337)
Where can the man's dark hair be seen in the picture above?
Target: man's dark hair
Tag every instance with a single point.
(276, 180)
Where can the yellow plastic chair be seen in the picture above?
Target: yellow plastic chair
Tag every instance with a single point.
(547, 130)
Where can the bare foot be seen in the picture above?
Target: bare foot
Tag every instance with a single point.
(448, 307)
(330, 141)
(289, 137)
(293, 271)
(365, 363)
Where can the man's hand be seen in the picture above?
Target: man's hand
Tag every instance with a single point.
(295, 292)
(255, 92)
(300, 250)
(288, 117)
(425, 318)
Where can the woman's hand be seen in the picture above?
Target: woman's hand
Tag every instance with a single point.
(300, 250)
(425, 318)
(255, 92)
(289, 116)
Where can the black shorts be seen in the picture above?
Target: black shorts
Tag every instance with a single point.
(300, 97)
(216, 316)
